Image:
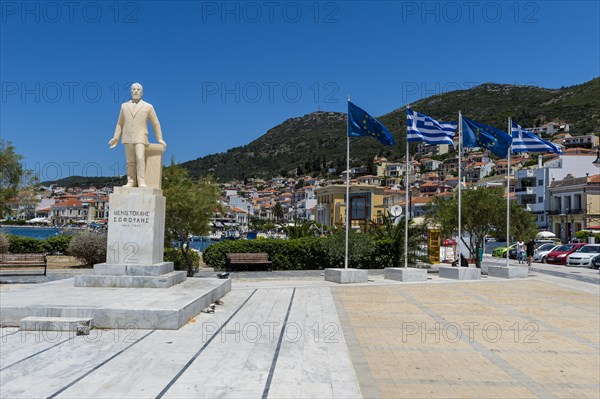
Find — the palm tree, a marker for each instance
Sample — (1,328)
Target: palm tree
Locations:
(394,232)
(278,211)
(304,228)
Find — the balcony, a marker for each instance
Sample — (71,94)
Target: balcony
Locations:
(524,191)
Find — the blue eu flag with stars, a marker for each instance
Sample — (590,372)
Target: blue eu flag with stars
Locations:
(477,134)
(362,124)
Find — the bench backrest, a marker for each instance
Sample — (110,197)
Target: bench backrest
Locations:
(248,257)
(22,258)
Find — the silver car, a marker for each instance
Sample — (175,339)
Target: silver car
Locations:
(584,255)
(540,254)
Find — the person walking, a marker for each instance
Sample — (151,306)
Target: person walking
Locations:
(520,250)
(530,250)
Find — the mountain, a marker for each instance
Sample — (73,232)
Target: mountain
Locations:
(317,141)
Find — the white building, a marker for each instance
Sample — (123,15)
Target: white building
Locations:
(532,185)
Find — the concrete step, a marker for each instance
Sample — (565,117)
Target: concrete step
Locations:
(79,325)
(163,281)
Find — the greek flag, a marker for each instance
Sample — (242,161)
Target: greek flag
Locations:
(525,141)
(421,127)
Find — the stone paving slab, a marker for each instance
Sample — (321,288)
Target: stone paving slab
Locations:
(492,338)
(241,350)
(486,340)
(109,307)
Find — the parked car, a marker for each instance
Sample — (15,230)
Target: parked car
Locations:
(541,241)
(540,254)
(596,262)
(584,255)
(500,252)
(559,255)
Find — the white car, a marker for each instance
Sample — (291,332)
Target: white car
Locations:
(584,255)
(543,251)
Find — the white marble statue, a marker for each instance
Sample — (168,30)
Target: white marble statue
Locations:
(133,127)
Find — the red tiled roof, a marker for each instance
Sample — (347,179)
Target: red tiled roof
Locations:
(68,202)
(594,179)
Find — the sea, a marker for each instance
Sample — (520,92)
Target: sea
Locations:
(35,232)
(201,243)
(197,243)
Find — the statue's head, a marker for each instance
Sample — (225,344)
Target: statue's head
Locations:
(136,91)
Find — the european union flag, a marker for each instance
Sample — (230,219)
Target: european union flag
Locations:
(362,124)
(477,134)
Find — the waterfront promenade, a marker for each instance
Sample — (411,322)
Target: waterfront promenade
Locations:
(493,338)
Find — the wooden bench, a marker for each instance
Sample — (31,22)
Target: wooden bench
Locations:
(23,264)
(248,259)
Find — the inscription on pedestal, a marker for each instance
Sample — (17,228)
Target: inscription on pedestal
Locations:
(136,226)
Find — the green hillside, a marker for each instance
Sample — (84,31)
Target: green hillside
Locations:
(315,142)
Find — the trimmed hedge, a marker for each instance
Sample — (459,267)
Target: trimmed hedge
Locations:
(308,253)
(174,255)
(51,245)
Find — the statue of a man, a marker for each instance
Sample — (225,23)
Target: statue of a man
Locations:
(133,125)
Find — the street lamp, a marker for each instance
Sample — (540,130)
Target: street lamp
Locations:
(597,161)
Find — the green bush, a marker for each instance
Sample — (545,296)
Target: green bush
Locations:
(88,246)
(27,245)
(174,255)
(59,244)
(307,253)
(51,245)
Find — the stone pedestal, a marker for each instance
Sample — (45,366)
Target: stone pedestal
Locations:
(346,276)
(405,274)
(460,273)
(135,245)
(508,272)
(136,226)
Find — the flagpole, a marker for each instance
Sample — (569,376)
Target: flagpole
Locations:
(407,184)
(508,195)
(347,186)
(458,251)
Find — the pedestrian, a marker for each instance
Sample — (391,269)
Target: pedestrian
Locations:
(520,250)
(530,250)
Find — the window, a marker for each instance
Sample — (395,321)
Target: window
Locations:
(540,182)
(360,206)
(540,200)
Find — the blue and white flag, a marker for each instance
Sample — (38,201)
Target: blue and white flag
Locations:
(421,127)
(525,141)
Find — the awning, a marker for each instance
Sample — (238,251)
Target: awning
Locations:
(38,220)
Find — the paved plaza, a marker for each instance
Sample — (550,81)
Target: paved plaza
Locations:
(291,334)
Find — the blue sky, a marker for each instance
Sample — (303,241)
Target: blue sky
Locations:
(220,74)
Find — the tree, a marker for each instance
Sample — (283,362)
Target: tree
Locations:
(278,211)
(417,237)
(11,175)
(190,205)
(300,229)
(483,213)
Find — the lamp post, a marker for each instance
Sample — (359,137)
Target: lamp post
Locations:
(320,209)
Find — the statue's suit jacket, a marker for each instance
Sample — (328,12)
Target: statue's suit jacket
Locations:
(133,122)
